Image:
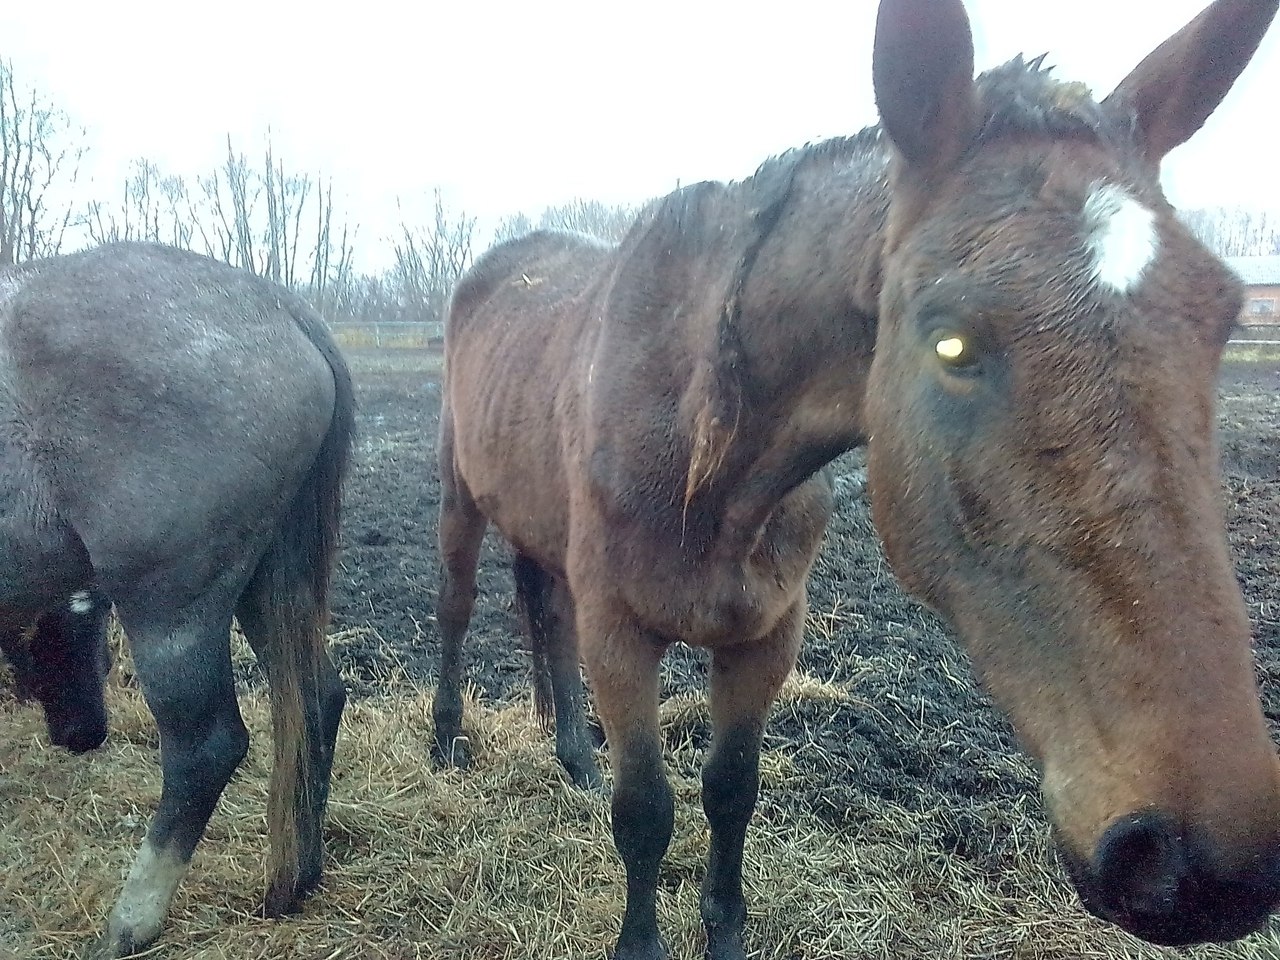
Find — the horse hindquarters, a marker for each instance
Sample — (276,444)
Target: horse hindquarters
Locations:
(182,655)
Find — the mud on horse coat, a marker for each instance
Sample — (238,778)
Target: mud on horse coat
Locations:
(989,290)
(173,439)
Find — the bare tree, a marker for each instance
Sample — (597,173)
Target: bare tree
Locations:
(591,217)
(286,196)
(333,283)
(40,153)
(578,215)
(261,221)
(428,262)
(224,212)
(513,227)
(1236,231)
(154,207)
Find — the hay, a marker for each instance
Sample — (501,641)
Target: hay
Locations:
(507,860)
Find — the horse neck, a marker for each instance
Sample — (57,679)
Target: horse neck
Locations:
(794,355)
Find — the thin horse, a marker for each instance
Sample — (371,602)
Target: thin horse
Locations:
(991,291)
(175,438)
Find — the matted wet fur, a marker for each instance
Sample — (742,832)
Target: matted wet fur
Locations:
(175,438)
(990,291)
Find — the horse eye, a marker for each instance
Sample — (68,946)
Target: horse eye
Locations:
(955,350)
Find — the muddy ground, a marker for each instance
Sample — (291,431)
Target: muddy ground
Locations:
(920,735)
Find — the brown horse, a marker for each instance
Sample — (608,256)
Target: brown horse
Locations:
(991,292)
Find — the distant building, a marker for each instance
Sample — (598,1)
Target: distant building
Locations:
(1261,276)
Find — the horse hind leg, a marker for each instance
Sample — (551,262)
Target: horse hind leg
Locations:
(546,610)
(183,663)
(461,531)
(744,682)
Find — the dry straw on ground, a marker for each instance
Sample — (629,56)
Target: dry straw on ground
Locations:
(506,860)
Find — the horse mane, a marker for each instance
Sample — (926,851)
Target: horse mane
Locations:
(1022,97)
(764,196)
(1018,98)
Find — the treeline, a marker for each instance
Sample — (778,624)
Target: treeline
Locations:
(261,214)
(256,212)
(1235,231)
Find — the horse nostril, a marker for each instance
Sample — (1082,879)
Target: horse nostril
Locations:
(1170,885)
(1142,865)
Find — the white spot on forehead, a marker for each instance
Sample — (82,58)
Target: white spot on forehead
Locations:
(1121,236)
(81,602)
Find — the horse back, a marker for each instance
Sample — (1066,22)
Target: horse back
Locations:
(519,343)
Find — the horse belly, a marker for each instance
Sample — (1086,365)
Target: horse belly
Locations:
(507,452)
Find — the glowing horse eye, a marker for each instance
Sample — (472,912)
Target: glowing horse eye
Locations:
(953,349)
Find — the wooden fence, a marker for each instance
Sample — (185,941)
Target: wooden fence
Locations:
(1259,333)
(388,336)
(430,336)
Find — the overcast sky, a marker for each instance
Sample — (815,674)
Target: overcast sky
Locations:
(513,107)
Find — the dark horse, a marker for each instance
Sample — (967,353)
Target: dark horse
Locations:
(61,661)
(175,435)
(989,290)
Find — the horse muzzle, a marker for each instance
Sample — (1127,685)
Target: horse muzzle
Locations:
(79,734)
(1163,883)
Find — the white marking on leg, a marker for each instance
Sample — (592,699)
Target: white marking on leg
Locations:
(144,902)
(81,602)
(1121,236)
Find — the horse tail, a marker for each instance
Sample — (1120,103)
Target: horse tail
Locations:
(531,606)
(291,592)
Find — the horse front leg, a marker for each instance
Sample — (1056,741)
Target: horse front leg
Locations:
(622,662)
(745,680)
(186,677)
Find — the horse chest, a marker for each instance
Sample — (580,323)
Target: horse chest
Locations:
(726,603)
(736,590)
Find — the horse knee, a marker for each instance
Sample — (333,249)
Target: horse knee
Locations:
(457,600)
(221,751)
(199,751)
(731,782)
(643,810)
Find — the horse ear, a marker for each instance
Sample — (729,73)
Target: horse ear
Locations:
(1171,93)
(923,75)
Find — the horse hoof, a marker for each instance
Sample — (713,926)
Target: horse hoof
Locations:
(648,950)
(114,945)
(285,897)
(452,752)
(726,945)
(584,775)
